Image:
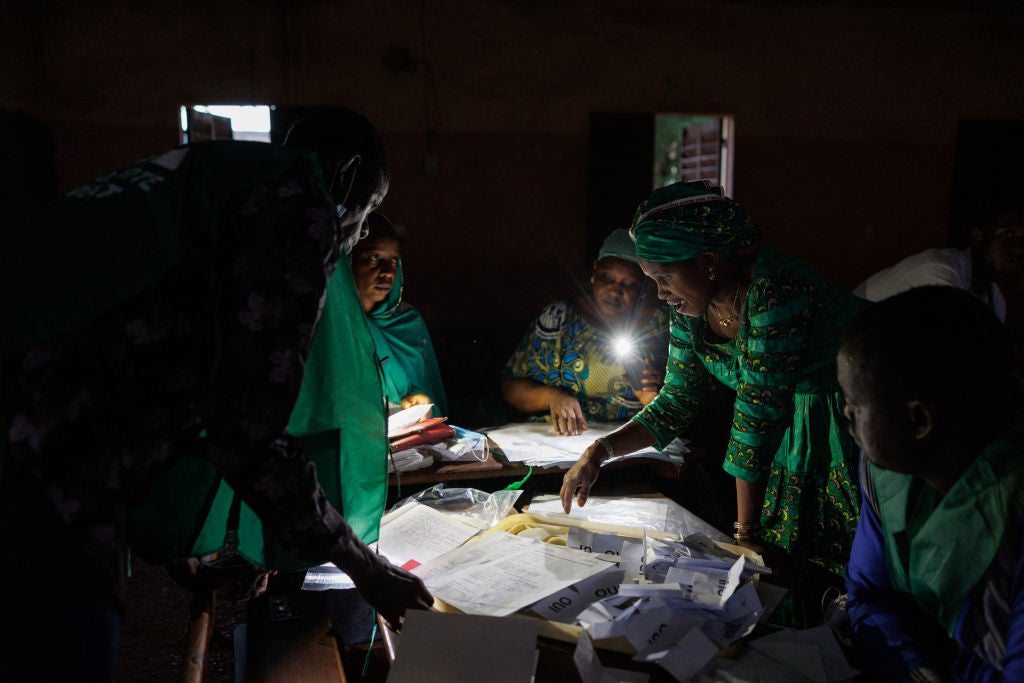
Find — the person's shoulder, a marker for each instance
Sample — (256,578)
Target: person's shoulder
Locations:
(777,273)
(950,267)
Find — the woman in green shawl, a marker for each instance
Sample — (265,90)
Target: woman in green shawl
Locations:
(411,374)
(767,326)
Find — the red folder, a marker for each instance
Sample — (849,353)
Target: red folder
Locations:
(415,428)
(430,435)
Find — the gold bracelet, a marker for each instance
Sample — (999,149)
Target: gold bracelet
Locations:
(746,526)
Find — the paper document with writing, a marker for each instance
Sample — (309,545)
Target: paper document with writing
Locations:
(414,534)
(661,514)
(409,536)
(535,443)
(501,573)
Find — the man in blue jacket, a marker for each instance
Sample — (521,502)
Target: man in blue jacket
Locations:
(934,578)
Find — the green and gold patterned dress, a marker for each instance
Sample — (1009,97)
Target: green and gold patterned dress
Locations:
(788,427)
(565,348)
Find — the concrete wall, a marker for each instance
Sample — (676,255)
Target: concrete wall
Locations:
(845,113)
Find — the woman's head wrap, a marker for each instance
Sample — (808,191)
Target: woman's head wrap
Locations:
(619,245)
(678,222)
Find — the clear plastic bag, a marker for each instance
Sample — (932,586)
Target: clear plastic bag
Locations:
(465,446)
(479,508)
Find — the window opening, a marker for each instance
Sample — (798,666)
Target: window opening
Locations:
(693,147)
(225,122)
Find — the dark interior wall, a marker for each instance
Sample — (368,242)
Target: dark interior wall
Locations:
(845,112)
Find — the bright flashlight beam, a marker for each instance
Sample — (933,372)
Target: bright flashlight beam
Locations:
(623,346)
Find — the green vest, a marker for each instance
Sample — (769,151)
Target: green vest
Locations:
(938,548)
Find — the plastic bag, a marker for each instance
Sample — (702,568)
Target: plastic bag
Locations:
(464,446)
(476,507)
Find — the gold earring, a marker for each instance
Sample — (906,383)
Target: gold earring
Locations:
(711,273)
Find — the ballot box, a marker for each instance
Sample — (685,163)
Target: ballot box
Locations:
(606,587)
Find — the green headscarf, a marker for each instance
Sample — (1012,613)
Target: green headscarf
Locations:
(618,244)
(401,336)
(678,222)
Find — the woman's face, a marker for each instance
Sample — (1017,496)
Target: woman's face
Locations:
(374,265)
(684,285)
(617,285)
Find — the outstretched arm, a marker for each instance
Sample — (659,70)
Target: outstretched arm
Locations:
(576,483)
(528,396)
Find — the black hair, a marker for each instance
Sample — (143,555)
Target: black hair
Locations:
(936,344)
(336,135)
(378,225)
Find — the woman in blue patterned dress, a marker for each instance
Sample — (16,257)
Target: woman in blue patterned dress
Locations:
(566,367)
(767,326)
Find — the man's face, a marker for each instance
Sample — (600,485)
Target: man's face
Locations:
(884,433)
(1004,244)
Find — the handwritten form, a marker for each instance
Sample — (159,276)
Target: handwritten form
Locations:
(535,443)
(501,573)
(409,536)
(415,533)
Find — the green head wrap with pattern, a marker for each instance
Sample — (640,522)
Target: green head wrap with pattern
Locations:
(618,244)
(678,222)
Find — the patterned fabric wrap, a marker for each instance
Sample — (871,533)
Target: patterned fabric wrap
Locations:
(564,348)
(401,336)
(788,427)
(678,222)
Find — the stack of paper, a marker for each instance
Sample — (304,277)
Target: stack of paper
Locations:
(535,444)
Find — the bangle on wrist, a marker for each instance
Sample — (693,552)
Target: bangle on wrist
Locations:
(746,526)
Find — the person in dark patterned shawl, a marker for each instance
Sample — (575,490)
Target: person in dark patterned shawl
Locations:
(176,296)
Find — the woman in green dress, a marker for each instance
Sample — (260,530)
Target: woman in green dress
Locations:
(767,326)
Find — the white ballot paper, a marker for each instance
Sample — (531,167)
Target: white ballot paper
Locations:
(687,657)
(591,670)
(501,573)
(535,443)
(813,652)
(409,416)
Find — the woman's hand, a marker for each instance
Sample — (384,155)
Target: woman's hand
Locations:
(566,413)
(581,476)
(652,379)
(415,400)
